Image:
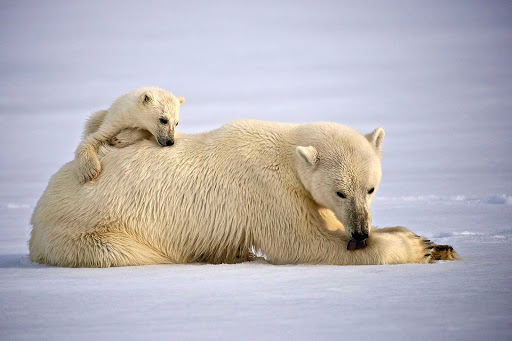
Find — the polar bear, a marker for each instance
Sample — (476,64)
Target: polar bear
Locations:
(295,193)
(147,110)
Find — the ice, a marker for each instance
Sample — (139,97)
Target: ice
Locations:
(436,75)
(502,199)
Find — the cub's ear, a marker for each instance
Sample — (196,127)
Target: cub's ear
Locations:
(308,154)
(376,138)
(146,97)
(182,100)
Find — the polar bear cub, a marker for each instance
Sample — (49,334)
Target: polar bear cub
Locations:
(147,109)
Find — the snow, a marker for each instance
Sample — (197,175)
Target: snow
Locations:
(436,75)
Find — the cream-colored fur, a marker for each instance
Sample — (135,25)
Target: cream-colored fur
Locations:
(94,122)
(216,196)
(150,110)
(125,138)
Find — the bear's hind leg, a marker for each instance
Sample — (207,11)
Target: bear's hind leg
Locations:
(94,122)
(98,250)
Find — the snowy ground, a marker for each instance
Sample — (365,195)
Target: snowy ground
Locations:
(435,75)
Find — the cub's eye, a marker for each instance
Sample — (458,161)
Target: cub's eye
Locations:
(177,123)
(371,190)
(164,121)
(341,195)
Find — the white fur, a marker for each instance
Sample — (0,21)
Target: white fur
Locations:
(216,196)
(141,109)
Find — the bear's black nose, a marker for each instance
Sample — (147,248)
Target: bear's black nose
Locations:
(169,143)
(359,236)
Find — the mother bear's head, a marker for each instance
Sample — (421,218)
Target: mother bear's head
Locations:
(341,168)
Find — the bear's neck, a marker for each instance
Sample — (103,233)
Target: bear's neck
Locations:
(288,156)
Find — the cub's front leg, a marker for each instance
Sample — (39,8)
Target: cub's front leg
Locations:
(88,165)
(128,137)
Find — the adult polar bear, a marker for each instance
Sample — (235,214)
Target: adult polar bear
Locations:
(215,196)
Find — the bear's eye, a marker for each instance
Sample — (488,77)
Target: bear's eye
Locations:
(177,123)
(164,120)
(371,190)
(341,195)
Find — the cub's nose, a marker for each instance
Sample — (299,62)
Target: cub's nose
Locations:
(169,143)
(359,236)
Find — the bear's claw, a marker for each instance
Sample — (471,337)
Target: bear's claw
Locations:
(114,141)
(429,246)
(119,142)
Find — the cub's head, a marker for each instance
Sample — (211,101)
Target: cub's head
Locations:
(341,168)
(160,113)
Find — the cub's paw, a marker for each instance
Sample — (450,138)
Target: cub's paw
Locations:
(128,137)
(88,168)
(444,252)
(114,141)
(119,142)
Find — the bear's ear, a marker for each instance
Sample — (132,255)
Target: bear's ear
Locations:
(308,154)
(182,100)
(376,138)
(146,97)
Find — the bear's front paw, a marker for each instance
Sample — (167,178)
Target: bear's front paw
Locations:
(88,168)
(444,252)
(435,252)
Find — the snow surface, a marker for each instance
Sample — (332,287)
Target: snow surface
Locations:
(436,75)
